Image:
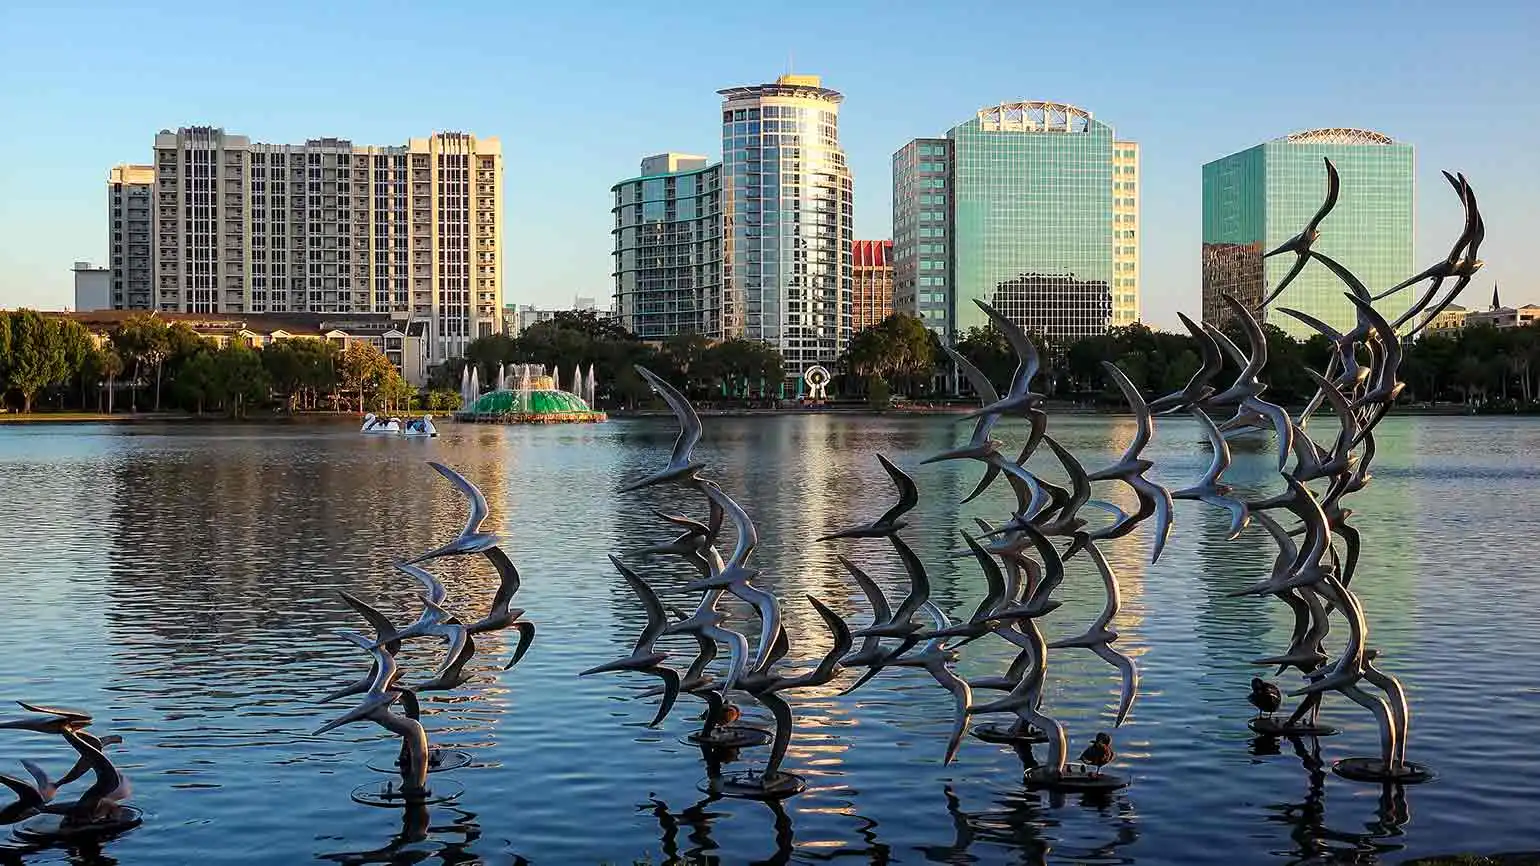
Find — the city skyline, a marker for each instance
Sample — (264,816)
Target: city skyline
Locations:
(1165,91)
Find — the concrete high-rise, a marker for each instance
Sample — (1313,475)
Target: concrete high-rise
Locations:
(668,247)
(787,221)
(871,298)
(1258,198)
(332,227)
(130,237)
(1031,206)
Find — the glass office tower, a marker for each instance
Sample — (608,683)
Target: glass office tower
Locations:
(787,221)
(1261,197)
(1031,206)
(668,246)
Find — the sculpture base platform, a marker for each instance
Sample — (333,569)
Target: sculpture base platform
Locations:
(439,760)
(753,785)
(1274,728)
(1373,770)
(1008,734)
(730,737)
(52,828)
(1076,777)
(388,794)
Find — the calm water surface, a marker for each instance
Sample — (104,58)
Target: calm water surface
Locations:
(181,583)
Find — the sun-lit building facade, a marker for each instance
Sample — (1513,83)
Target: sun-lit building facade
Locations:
(871,298)
(130,236)
(668,246)
(332,227)
(1259,198)
(787,211)
(1031,206)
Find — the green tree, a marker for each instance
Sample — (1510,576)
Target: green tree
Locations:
(143,342)
(361,369)
(37,355)
(198,382)
(109,365)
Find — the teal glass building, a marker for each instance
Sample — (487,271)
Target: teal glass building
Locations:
(668,246)
(1261,197)
(1031,206)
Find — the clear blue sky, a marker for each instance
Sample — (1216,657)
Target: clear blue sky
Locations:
(579,91)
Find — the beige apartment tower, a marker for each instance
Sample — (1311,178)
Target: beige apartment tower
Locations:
(130,237)
(332,227)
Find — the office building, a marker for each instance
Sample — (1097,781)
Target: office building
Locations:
(1258,198)
(93,287)
(130,236)
(1447,322)
(787,222)
(871,297)
(330,227)
(668,246)
(1030,206)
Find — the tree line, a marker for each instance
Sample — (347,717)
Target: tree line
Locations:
(146,363)
(1481,366)
(734,369)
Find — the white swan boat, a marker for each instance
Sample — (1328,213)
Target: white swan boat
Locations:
(377,426)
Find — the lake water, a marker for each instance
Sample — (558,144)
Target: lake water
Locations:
(181,583)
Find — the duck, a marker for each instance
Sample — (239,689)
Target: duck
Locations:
(1100,753)
(1264,696)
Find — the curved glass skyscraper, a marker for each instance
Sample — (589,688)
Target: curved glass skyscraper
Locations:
(1258,198)
(1031,206)
(787,221)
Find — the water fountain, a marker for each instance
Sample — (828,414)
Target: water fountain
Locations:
(538,399)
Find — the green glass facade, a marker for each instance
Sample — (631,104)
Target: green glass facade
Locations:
(668,246)
(1261,197)
(1021,206)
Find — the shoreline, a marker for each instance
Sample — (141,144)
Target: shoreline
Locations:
(851,411)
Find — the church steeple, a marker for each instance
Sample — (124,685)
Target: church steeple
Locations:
(1496,304)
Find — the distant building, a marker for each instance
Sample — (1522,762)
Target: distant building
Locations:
(405,345)
(1448,322)
(326,227)
(1257,199)
(787,206)
(871,297)
(1031,206)
(519,317)
(668,245)
(1499,316)
(130,239)
(93,287)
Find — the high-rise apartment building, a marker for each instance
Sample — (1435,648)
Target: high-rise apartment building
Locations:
(332,227)
(1030,206)
(668,246)
(787,221)
(871,298)
(1259,198)
(130,236)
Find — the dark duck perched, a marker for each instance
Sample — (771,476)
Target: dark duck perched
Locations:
(1100,753)
(1264,696)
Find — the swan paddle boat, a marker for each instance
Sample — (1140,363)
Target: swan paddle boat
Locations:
(375,426)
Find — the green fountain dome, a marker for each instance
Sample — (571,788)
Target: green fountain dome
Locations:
(543,401)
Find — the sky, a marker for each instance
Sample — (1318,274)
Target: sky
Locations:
(579,91)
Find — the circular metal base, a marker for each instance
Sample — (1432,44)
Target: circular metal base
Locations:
(1373,770)
(1008,733)
(730,737)
(1274,728)
(51,828)
(439,760)
(751,785)
(1076,777)
(388,794)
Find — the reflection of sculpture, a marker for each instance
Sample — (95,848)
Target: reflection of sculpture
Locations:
(381,687)
(1311,577)
(96,813)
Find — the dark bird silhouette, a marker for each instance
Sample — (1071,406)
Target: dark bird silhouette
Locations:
(1264,696)
(1100,753)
